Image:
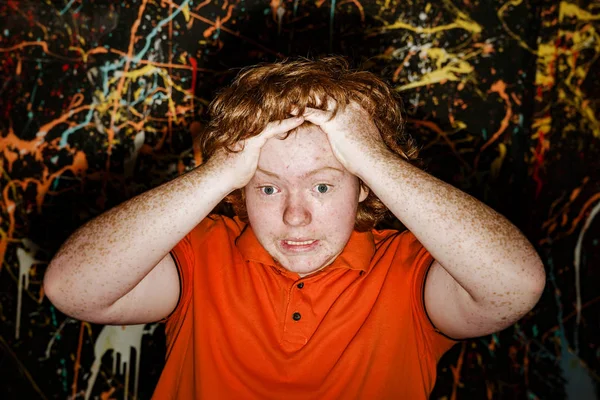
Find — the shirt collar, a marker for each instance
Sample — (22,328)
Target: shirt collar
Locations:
(356,255)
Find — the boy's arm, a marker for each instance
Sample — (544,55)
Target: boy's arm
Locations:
(486,274)
(116,269)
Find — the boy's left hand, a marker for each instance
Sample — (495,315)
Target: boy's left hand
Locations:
(352,134)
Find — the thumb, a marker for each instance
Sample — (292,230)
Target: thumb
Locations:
(316,116)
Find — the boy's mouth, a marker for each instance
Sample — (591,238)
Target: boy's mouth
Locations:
(299,245)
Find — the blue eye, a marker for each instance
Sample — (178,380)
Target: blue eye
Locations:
(322,188)
(268,190)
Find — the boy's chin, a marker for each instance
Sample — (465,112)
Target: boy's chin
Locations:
(300,268)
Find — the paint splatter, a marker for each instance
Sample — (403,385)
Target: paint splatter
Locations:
(99,101)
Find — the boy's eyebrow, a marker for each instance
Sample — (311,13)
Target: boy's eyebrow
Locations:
(310,173)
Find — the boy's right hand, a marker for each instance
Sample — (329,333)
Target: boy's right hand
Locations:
(238,168)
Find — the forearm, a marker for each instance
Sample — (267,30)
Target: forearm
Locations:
(107,257)
(478,247)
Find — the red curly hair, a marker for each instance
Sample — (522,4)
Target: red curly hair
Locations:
(269,92)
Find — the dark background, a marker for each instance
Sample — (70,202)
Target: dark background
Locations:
(98,101)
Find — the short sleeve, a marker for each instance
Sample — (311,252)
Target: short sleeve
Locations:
(183,255)
(437,342)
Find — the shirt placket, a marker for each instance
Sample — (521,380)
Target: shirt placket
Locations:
(297,319)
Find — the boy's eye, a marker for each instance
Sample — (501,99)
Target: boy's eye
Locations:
(268,190)
(322,188)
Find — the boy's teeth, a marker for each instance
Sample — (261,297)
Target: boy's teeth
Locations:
(291,242)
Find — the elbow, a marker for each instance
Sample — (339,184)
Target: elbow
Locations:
(61,292)
(538,279)
(52,288)
(67,295)
(534,284)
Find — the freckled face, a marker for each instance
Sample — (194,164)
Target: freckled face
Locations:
(302,202)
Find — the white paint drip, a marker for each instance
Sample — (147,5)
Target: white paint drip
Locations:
(280,14)
(26,258)
(120,340)
(577,260)
(129,163)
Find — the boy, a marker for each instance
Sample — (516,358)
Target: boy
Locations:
(299,296)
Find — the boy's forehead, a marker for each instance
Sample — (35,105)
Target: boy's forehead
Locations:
(302,152)
(307,138)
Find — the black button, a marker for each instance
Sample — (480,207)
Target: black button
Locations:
(296,316)
(300,285)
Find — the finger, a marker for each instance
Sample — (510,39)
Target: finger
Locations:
(316,116)
(330,104)
(275,128)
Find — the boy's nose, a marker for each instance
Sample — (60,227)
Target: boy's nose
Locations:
(296,213)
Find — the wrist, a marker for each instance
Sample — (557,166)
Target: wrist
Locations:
(223,177)
(375,162)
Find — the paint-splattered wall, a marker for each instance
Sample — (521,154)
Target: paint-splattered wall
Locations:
(98,100)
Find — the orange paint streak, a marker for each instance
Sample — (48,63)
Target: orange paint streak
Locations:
(199,6)
(22,146)
(76,101)
(489,390)
(195,129)
(137,126)
(40,43)
(10,208)
(111,131)
(526,365)
(163,65)
(274,4)
(433,126)
(358,5)
(500,88)
(170,62)
(401,66)
(77,361)
(62,119)
(486,48)
(108,394)
(588,204)
(3,246)
(78,168)
(552,223)
(538,155)
(11,156)
(456,371)
(231,32)
(86,54)
(515,99)
(218,23)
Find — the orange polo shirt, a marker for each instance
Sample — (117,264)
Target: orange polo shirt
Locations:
(245,328)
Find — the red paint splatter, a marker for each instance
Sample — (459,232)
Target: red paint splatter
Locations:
(194,64)
(538,161)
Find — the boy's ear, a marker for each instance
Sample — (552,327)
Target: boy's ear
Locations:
(364,192)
